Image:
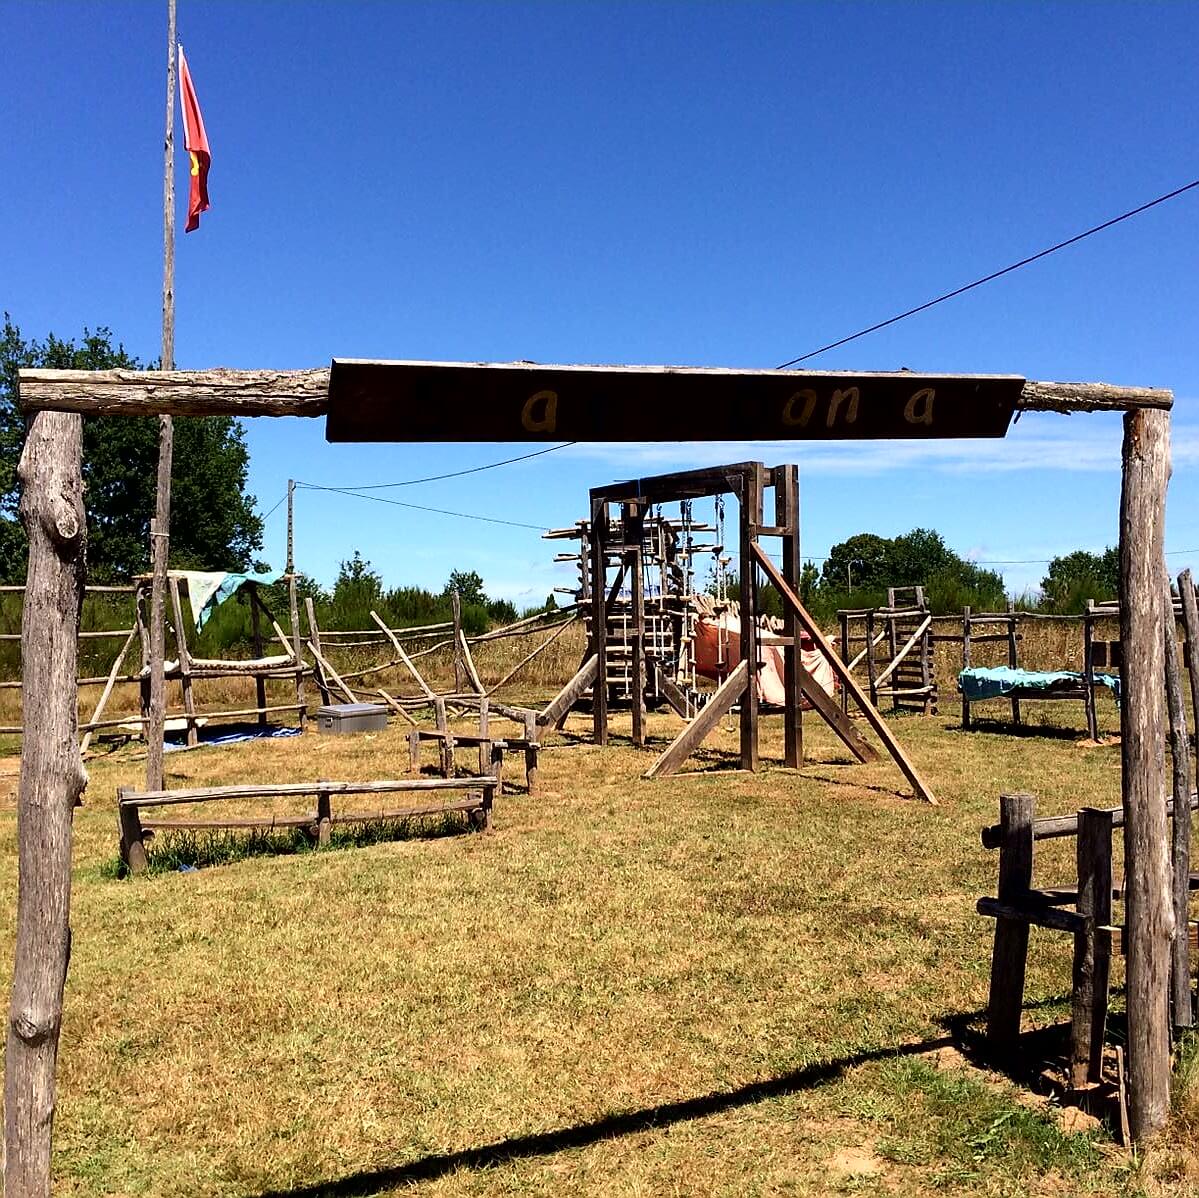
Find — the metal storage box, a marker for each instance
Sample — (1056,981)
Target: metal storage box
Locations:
(351,717)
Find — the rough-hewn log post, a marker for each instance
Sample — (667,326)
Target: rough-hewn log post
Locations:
(52,778)
(1150,911)
(1180,847)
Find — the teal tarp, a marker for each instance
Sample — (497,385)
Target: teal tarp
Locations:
(978,683)
(208,588)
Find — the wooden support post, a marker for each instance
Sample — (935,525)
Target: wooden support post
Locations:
(154,729)
(459,671)
(1010,953)
(52,779)
(870,667)
(497,765)
(926,662)
(1149,901)
(786,516)
(1088,668)
(1092,951)
(133,849)
(532,749)
(324,819)
(845,657)
(633,524)
(314,636)
(750,515)
(259,649)
(446,742)
(1180,758)
(965,663)
(1013,654)
(1190,620)
(484,735)
(599,621)
(185,664)
(414,751)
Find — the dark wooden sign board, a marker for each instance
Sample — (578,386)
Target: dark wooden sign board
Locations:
(520,401)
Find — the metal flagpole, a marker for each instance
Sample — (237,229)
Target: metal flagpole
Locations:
(161,525)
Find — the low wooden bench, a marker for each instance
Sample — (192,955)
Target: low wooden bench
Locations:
(491,749)
(476,805)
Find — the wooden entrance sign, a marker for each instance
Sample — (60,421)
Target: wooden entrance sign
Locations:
(523,401)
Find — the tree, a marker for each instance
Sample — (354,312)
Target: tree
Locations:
(859,562)
(469,586)
(214,525)
(1075,577)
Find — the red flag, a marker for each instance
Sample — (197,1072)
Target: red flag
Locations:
(196,141)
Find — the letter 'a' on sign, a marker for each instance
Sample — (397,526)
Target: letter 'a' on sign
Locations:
(525,401)
(540,413)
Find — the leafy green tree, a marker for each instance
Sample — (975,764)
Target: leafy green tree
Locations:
(860,562)
(469,585)
(1073,578)
(214,525)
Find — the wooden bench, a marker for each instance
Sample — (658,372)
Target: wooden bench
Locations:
(476,805)
(491,749)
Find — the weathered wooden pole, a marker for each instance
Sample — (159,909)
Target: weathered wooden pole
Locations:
(1180,750)
(1149,901)
(52,778)
(293,603)
(160,526)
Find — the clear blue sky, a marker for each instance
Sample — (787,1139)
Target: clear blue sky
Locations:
(701,184)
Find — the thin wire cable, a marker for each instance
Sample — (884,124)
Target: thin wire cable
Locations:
(275,509)
(1061,245)
(432,478)
(420,507)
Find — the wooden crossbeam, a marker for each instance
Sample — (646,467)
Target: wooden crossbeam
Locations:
(687,741)
(873,718)
(569,695)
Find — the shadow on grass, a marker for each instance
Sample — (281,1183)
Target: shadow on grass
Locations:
(997,726)
(430,1168)
(184,851)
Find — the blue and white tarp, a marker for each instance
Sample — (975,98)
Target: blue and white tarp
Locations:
(208,588)
(993,682)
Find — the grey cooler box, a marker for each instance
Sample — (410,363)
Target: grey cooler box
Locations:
(341,718)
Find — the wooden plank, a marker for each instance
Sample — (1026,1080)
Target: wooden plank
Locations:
(107,691)
(694,734)
(51,781)
(314,635)
(1009,956)
(599,620)
(569,695)
(331,673)
(1146,468)
(1092,953)
(283,790)
(529,657)
(828,709)
(873,718)
(1048,916)
(908,646)
(403,656)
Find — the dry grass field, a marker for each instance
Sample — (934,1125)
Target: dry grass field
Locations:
(713,984)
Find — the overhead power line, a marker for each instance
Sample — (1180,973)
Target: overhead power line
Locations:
(1007,270)
(433,478)
(420,507)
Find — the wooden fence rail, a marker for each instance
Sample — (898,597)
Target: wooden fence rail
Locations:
(133,829)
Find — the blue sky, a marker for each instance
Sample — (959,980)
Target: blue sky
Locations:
(686,183)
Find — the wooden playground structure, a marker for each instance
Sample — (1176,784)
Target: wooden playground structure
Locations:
(407,401)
